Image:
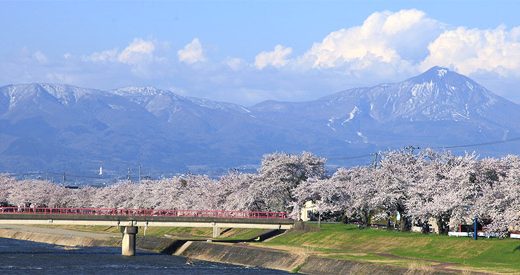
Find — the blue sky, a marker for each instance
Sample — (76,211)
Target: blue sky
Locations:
(246,52)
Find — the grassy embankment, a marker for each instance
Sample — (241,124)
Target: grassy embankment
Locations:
(347,242)
(173,232)
(340,241)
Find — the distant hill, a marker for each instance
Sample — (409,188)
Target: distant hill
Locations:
(53,127)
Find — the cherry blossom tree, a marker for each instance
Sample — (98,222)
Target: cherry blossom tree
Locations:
(415,186)
(500,199)
(399,170)
(359,192)
(236,191)
(429,197)
(6,185)
(280,174)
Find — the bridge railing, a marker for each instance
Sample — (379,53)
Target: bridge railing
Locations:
(145,212)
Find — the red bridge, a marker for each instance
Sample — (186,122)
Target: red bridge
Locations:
(145,212)
(130,219)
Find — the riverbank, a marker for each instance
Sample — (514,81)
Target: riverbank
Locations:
(58,236)
(230,253)
(26,257)
(282,253)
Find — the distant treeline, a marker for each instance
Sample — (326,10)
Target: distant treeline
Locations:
(415,186)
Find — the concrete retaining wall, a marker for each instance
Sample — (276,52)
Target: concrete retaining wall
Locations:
(55,238)
(243,255)
(275,259)
(317,265)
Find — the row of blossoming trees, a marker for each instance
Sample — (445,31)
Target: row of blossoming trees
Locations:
(423,186)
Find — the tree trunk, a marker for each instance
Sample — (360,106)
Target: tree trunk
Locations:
(406,223)
(440,226)
(366,218)
(388,221)
(425,228)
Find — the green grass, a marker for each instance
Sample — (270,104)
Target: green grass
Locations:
(176,232)
(297,269)
(172,232)
(83,228)
(241,234)
(348,242)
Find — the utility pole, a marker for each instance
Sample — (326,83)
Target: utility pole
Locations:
(139,173)
(319,216)
(376,159)
(475,228)
(64,178)
(128,175)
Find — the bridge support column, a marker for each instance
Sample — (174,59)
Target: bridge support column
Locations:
(128,243)
(216,231)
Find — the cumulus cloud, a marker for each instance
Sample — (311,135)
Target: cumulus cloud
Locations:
(385,47)
(275,58)
(472,50)
(141,57)
(192,52)
(139,51)
(387,37)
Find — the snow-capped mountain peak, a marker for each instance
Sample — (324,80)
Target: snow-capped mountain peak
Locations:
(437,94)
(436,72)
(51,126)
(143,91)
(445,80)
(441,72)
(59,93)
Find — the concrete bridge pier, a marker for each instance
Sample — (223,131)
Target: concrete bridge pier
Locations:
(216,231)
(128,243)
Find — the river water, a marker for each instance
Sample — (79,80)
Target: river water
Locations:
(23,257)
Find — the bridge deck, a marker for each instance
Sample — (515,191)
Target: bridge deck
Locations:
(145,217)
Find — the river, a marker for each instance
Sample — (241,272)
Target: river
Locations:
(23,257)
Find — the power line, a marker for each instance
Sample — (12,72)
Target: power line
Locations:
(411,148)
(353,157)
(363,156)
(478,144)
(53,174)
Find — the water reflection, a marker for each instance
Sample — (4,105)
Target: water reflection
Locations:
(22,257)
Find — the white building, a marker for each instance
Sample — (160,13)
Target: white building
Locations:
(306,211)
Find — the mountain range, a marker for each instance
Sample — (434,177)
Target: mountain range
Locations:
(55,127)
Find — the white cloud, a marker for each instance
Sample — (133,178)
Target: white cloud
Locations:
(103,56)
(385,47)
(143,58)
(276,58)
(472,50)
(40,57)
(235,63)
(387,37)
(138,52)
(192,52)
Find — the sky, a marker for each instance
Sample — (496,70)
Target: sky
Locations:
(250,51)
